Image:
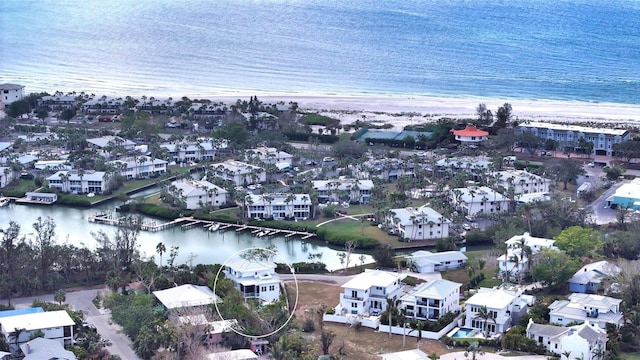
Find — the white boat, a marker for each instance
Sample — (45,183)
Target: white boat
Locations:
(262,233)
(214,227)
(4,201)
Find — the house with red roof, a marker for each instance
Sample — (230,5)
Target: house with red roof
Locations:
(470,135)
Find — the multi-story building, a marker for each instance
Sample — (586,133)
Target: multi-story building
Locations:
(155,106)
(343,190)
(585,341)
(191,151)
(269,155)
(598,309)
(569,135)
(80,182)
(278,206)
(58,102)
(503,306)
(478,200)
(200,111)
(10,93)
(140,167)
(104,105)
(421,223)
(389,169)
(55,325)
(427,262)
(239,173)
(476,167)
(254,279)
(104,144)
(196,194)
(470,135)
(431,300)
(367,292)
(522,182)
(515,260)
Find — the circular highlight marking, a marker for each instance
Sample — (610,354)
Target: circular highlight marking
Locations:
(295,279)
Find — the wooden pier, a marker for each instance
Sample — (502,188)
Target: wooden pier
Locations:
(189,222)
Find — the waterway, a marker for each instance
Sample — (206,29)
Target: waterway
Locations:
(196,245)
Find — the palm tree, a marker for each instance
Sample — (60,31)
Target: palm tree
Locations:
(566,354)
(485,314)
(161,249)
(473,349)
(15,334)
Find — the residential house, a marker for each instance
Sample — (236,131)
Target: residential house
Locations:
(261,120)
(343,190)
(80,182)
(432,300)
(45,349)
(627,196)
(515,261)
(55,325)
(470,135)
(589,278)
(154,106)
(598,309)
(239,173)
(213,329)
(139,167)
(5,147)
(254,279)
(567,135)
(585,341)
(58,102)
(6,176)
(269,155)
(191,151)
(104,105)
(427,262)
(186,296)
(520,182)
(367,292)
(478,200)
(201,111)
(10,93)
(505,307)
(278,206)
(476,167)
(388,169)
(105,143)
(421,223)
(196,194)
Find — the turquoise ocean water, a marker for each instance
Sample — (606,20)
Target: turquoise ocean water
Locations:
(529,49)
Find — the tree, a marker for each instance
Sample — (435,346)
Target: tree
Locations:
(17,108)
(578,241)
(485,314)
(326,339)
(503,116)
(553,267)
(485,116)
(44,237)
(15,335)
(614,172)
(384,255)
(565,170)
(161,249)
(67,114)
(347,149)
(60,296)
(529,142)
(473,349)
(42,114)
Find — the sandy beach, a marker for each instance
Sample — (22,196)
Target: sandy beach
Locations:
(404,110)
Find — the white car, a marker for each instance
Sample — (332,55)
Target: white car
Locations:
(327,159)
(467,227)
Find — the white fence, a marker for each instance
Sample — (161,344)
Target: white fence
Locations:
(367,322)
(425,334)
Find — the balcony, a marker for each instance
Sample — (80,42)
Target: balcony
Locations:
(349,297)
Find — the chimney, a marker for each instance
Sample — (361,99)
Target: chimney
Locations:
(27,347)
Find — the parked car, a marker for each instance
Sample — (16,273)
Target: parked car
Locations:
(466,227)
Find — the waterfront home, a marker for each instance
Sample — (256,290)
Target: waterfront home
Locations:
(568,135)
(476,167)
(39,197)
(423,261)
(431,300)
(269,155)
(196,194)
(388,169)
(6,176)
(58,102)
(104,105)
(478,200)
(80,182)
(585,341)
(505,307)
(186,296)
(589,278)
(515,261)
(626,196)
(41,349)
(470,135)
(254,279)
(192,151)
(55,325)
(154,106)
(521,182)
(105,143)
(598,309)
(201,111)
(139,167)
(343,189)
(240,173)
(10,93)
(414,224)
(261,121)
(367,293)
(278,206)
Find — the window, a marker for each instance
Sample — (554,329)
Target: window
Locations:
(354,305)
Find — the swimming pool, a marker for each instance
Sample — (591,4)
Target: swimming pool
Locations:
(462,333)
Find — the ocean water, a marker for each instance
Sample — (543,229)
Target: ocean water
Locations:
(583,50)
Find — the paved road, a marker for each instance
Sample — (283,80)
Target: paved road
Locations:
(601,214)
(81,300)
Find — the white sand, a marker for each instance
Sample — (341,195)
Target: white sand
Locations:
(402,110)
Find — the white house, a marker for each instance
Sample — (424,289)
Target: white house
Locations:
(387,169)
(475,166)
(367,292)
(431,300)
(197,194)
(515,261)
(584,341)
(479,200)
(104,105)
(589,278)
(522,182)
(10,93)
(254,279)
(140,167)
(504,306)
(343,189)
(184,296)
(58,102)
(41,349)
(427,262)
(192,151)
(278,206)
(598,309)
(421,223)
(239,173)
(269,155)
(80,182)
(55,325)
(470,135)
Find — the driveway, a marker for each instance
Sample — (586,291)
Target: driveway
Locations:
(81,301)
(601,213)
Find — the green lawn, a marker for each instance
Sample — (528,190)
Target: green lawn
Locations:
(23,186)
(630,356)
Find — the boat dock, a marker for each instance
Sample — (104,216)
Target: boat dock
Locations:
(190,222)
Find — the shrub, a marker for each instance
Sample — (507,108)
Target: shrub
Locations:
(308,325)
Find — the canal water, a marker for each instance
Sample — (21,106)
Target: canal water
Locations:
(196,245)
